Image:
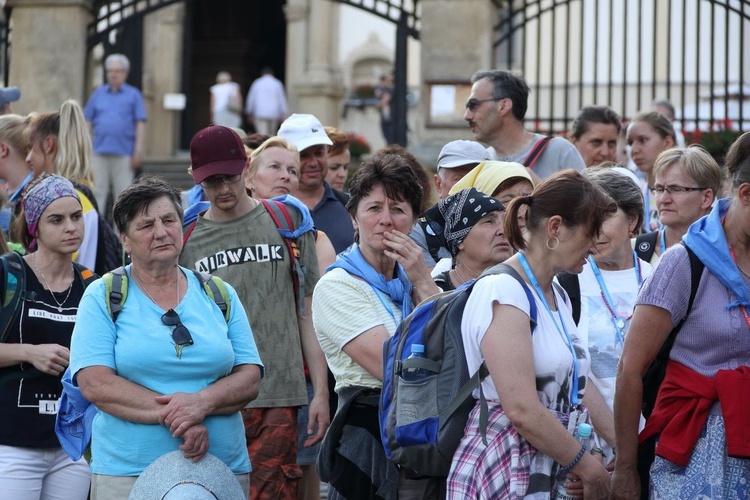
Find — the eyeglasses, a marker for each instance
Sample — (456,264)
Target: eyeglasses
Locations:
(180,335)
(472,103)
(215,180)
(659,190)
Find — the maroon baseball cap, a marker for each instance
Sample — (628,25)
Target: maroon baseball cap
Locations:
(216,150)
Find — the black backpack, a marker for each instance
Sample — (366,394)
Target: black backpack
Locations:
(645,244)
(655,376)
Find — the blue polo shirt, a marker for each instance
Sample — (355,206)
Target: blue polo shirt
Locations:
(114,115)
(331,217)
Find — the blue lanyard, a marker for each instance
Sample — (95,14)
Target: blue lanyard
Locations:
(565,336)
(662,242)
(618,322)
(21,186)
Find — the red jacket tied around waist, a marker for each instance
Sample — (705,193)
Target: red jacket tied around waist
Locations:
(683,405)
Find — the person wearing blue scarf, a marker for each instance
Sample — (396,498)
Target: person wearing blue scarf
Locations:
(357,305)
(700,415)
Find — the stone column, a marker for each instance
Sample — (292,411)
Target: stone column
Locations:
(456,38)
(162,70)
(313,78)
(48,59)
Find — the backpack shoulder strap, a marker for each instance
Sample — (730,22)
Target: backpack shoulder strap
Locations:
(696,271)
(188,232)
(13,276)
(572,285)
(536,152)
(475,382)
(645,244)
(283,220)
(116,291)
(434,241)
(86,275)
(506,269)
(217,290)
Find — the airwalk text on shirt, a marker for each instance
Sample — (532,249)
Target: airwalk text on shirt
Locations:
(240,255)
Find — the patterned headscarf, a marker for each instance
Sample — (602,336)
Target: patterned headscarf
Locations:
(461,211)
(44,192)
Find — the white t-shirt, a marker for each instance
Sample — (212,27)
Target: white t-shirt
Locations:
(222,93)
(343,308)
(553,363)
(596,321)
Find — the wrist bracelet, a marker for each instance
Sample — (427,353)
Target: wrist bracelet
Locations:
(565,469)
(597,450)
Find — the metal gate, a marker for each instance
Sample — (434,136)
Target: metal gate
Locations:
(405,14)
(625,54)
(118,26)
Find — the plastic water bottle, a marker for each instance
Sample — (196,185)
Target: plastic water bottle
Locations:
(583,436)
(415,374)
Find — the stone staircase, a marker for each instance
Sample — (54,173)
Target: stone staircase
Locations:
(173,169)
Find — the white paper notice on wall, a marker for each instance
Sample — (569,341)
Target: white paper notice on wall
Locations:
(174,102)
(442,102)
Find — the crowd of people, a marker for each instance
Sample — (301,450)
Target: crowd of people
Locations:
(240,325)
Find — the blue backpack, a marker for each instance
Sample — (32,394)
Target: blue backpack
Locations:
(422,422)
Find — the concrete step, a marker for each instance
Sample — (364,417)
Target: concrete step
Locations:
(172,169)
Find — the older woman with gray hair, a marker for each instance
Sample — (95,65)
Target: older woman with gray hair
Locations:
(603,297)
(171,370)
(474,235)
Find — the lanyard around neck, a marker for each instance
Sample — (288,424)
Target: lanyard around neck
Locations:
(562,331)
(618,322)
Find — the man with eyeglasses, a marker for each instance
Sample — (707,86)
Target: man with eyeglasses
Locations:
(237,240)
(327,205)
(117,117)
(495,112)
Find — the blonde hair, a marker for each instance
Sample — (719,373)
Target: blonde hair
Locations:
(74,153)
(12,133)
(272,142)
(695,162)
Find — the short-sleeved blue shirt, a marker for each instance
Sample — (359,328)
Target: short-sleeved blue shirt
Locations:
(114,116)
(140,348)
(331,217)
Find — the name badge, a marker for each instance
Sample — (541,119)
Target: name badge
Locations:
(47,407)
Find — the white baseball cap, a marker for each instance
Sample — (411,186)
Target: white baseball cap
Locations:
(304,131)
(460,153)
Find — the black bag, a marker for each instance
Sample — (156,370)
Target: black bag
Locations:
(655,376)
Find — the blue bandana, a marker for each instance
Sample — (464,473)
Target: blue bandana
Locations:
(707,239)
(398,289)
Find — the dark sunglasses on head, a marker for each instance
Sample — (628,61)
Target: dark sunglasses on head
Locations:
(180,335)
(472,103)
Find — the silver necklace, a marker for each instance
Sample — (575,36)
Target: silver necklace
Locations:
(143,287)
(459,276)
(40,273)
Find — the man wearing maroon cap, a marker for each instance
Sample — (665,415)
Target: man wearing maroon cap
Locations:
(237,240)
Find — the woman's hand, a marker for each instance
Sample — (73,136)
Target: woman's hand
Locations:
(196,442)
(182,411)
(51,359)
(406,252)
(626,484)
(594,477)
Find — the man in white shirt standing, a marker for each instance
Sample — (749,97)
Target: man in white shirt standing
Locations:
(266,104)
